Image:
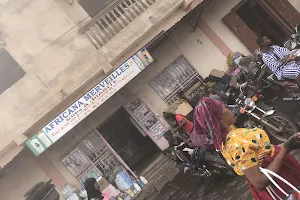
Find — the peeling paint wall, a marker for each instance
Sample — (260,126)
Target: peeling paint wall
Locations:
(42,36)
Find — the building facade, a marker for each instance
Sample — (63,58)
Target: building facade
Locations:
(53,52)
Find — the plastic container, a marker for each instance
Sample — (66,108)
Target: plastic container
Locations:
(142,185)
(130,192)
(125,196)
(137,187)
(144,180)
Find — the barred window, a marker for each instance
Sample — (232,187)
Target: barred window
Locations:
(174,78)
(89,158)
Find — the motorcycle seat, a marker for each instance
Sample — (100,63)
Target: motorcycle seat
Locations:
(281,80)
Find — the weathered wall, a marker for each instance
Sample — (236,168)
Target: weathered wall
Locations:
(296,4)
(213,14)
(57,60)
(139,28)
(21,174)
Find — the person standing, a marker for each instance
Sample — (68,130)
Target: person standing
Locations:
(93,189)
(245,150)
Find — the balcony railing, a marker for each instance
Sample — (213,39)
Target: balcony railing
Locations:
(115,18)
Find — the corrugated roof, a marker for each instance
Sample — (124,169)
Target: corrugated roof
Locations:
(164,34)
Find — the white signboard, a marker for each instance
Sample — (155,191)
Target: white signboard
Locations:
(95,97)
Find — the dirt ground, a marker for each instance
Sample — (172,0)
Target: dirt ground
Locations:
(185,187)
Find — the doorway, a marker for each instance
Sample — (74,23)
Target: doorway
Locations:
(137,151)
(252,18)
(259,19)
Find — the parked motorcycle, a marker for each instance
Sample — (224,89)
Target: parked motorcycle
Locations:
(207,164)
(243,102)
(270,88)
(294,41)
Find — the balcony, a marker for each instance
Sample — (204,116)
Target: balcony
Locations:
(114,19)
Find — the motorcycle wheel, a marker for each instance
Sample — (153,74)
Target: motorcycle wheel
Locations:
(286,124)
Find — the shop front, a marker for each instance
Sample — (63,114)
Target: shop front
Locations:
(109,127)
(120,121)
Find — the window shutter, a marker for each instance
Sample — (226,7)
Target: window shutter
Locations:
(285,9)
(241,29)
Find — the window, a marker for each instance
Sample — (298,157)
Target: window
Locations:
(174,78)
(90,158)
(10,71)
(94,7)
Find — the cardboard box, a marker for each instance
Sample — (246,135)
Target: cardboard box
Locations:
(184,109)
(103,183)
(217,73)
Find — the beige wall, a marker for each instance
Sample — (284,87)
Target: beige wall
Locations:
(197,49)
(42,36)
(213,15)
(21,174)
(45,42)
(296,4)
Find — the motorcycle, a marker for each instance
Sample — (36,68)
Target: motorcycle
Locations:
(294,41)
(271,88)
(207,164)
(243,101)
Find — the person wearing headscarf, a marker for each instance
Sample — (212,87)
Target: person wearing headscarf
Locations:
(245,150)
(93,190)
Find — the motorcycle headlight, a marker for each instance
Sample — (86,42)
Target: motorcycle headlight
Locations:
(249,103)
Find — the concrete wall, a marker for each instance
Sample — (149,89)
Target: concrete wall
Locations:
(296,4)
(42,37)
(213,14)
(139,28)
(20,175)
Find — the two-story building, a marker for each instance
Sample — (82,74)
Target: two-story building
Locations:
(85,82)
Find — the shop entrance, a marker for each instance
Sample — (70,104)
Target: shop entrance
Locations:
(137,150)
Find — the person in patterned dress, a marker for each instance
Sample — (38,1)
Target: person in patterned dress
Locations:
(245,150)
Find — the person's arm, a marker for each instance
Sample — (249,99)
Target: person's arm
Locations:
(285,51)
(272,63)
(257,178)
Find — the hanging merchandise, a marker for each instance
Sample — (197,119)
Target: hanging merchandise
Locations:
(123,181)
(137,187)
(105,196)
(144,180)
(125,196)
(141,184)
(130,192)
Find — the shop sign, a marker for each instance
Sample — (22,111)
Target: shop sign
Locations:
(89,102)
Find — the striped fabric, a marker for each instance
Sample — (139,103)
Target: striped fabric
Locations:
(289,71)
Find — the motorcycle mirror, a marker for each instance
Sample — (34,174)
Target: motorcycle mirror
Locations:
(294,45)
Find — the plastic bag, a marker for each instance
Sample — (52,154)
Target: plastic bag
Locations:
(68,191)
(123,181)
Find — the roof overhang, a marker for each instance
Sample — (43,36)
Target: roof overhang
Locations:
(191,7)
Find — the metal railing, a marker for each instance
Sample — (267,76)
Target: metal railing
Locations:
(112,20)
